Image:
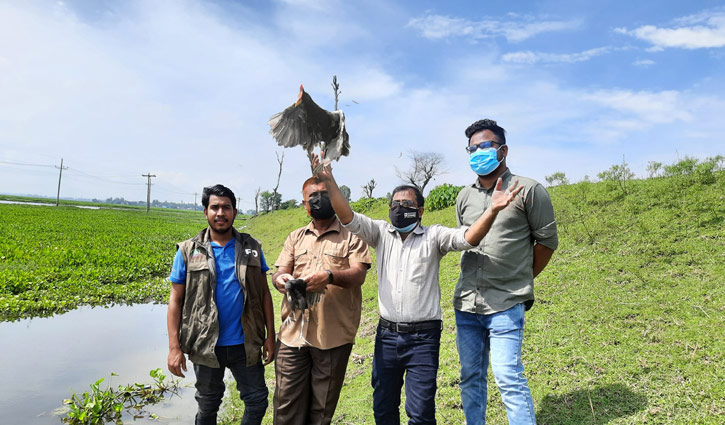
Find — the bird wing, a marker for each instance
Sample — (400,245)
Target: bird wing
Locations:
(306,124)
(339,145)
(289,128)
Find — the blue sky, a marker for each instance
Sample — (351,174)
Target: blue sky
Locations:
(184,89)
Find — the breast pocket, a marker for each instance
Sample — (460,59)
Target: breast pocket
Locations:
(336,259)
(302,261)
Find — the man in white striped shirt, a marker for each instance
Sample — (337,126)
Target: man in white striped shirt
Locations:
(408,260)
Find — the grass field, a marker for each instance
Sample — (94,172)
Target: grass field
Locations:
(626,329)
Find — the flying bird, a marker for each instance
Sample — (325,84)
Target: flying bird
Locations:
(306,124)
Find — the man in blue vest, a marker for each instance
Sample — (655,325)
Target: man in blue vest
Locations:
(219,310)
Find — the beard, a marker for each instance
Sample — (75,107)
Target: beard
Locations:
(221,226)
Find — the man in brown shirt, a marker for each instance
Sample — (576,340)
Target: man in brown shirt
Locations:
(315,346)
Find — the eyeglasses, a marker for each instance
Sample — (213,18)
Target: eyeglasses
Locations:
(483,145)
(406,203)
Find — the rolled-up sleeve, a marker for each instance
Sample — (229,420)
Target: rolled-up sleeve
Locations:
(365,228)
(540,213)
(287,256)
(451,239)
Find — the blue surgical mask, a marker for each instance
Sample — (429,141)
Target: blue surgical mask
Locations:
(484,161)
(406,229)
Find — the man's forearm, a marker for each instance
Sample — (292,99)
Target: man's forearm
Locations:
(268,310)
(351,277)
(173,322)
(480,227)
(339,203)
(542,255)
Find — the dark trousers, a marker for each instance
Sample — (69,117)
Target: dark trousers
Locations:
(415,356)
(250,383)
(309,381)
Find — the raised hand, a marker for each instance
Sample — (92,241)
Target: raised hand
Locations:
(322,168)
(501,198)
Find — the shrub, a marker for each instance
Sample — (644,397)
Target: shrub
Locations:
(557,179)
(619,174)
(442,196)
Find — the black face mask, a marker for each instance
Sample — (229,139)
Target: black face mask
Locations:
(320,207)
(403,218)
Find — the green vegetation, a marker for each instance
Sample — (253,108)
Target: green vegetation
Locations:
(626,328)
(54,259)
(441,197)
(103,406)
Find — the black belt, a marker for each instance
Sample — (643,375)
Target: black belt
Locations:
(405,327)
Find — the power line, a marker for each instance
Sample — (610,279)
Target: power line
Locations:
(104,179)
(27,164)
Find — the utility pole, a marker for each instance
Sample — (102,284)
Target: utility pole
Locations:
(195,193)
(61,168)
(148,190)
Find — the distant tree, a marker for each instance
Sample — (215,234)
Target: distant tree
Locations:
(345,192)
(619,174)
(266,202)
(256,200)
(277,199)
(557,179)
(653,168)
(368,188)
(424,166)
(291,203)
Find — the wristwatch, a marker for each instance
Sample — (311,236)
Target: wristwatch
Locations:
(332,278)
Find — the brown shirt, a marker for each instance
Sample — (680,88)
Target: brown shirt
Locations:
(333,321)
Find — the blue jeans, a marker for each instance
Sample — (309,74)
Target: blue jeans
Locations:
(414,355)
(250,383)
(501,335)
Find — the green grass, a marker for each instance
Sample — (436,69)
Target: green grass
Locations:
(626,328)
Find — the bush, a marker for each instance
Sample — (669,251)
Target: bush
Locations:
(557,179)
(442,196)
(363,205)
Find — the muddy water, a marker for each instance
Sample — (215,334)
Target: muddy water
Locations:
(42,359)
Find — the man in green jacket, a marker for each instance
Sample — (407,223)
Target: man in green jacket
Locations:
(219,308)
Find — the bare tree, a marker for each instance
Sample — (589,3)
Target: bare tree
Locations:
(256,200)
(275,205)
(336,88)
(424,166)
(368,188)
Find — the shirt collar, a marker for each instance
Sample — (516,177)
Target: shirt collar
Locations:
(506,176)
(336,226)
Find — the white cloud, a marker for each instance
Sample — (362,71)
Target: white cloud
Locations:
(704,30)
(529,57)
(644,62)
(434,26)
(648,107)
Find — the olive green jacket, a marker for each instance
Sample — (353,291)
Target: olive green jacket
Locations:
(199,328)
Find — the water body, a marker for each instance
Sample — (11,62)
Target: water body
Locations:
(42,359)
(45,204)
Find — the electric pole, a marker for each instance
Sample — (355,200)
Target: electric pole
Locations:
(61,168)
(148,190)
(195,193)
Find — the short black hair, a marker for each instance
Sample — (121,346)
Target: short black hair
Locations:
(487,124)
(218,190)
(418,195)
